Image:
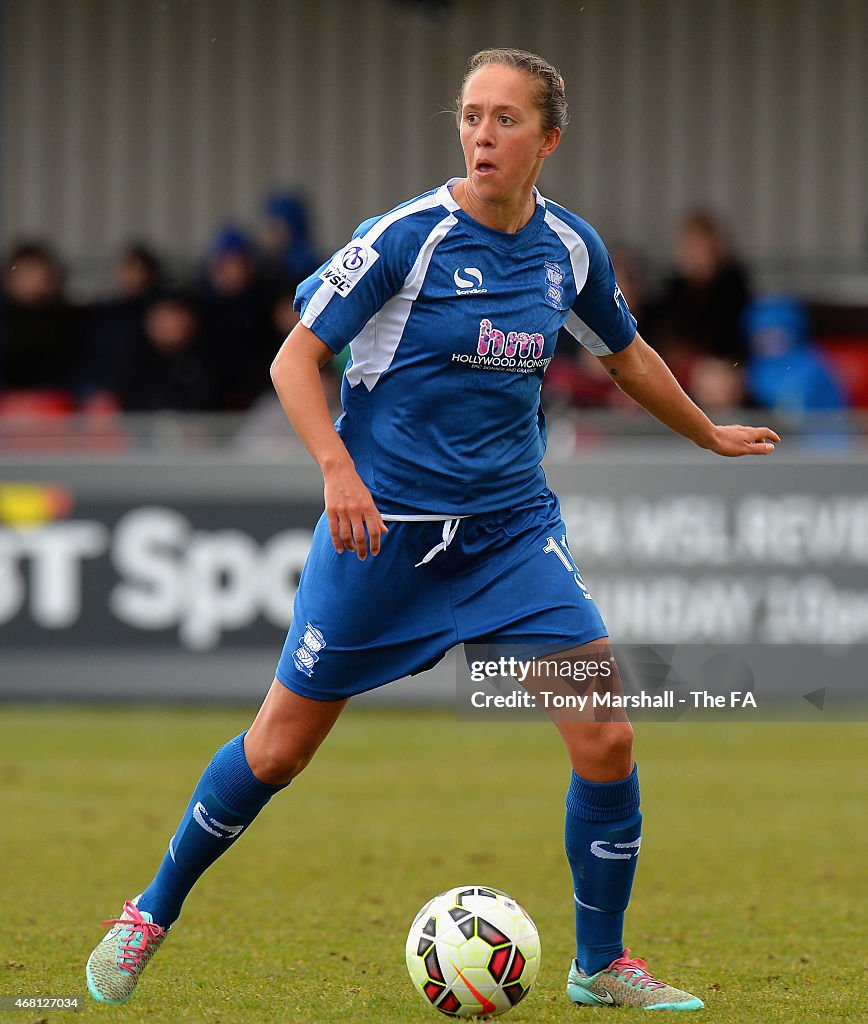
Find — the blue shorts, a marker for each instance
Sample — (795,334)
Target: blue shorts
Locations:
(505,578)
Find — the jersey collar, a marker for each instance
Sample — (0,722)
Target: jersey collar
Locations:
(503,240)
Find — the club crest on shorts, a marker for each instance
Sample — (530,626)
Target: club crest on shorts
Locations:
(306,655)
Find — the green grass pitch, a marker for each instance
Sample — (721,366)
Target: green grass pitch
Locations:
(751,889)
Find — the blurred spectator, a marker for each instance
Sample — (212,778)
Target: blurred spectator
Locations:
(40,344)
(170,367)
(288,255)
(138,274)
(112,329)
(236,319)
(632,276)
(698,313)
(717,383)
(786,371)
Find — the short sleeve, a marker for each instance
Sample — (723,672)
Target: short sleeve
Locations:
(337,300)
(600,318)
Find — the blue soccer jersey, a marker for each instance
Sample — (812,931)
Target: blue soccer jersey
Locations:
(451,325)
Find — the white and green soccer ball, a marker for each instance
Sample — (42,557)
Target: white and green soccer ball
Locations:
(473,952)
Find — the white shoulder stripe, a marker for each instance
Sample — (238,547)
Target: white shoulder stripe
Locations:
(580,262)
(325,293)
(317,303)
(575,246)
(585,336)
(374,348)
(428,202)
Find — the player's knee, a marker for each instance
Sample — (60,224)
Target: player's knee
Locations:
(277,764)
(619,747)
(611,743)
(617,739)
(600,751)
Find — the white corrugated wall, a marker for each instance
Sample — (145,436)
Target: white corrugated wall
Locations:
(160,118)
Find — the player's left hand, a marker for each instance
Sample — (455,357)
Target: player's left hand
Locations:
(734,439)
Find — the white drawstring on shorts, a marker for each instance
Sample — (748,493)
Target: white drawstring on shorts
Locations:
(450,528)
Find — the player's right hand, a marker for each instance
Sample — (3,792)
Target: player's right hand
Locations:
(734,440)
(354,520)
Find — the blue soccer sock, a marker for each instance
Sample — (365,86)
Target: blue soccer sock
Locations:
(227,798)
(602,837)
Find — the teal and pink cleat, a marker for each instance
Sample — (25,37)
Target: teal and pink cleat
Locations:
(626,982)
(114,967)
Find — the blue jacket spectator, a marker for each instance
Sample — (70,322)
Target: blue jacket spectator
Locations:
(285,237)
(235,305)
(785,370)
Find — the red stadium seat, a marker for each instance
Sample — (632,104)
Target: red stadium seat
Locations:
(35,404)
(848,358)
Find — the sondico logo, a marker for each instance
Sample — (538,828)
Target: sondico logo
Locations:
(469,281)
(598,849)
(212,825)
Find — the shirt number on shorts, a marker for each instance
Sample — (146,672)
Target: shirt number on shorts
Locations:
(563,552)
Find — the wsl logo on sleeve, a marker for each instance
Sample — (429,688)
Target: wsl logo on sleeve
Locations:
(349,266)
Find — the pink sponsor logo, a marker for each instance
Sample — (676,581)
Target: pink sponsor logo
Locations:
(495,343)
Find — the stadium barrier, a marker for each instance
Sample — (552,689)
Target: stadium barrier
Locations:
(150,576)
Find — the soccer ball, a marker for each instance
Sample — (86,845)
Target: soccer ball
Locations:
(473,952)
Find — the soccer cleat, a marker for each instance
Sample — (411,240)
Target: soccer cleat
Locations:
(626,982)
(113,968)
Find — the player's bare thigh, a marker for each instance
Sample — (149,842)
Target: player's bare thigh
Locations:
(287,732)
(600,747)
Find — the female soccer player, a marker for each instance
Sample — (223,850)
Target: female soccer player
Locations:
(451,305)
